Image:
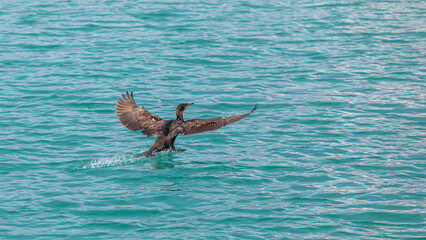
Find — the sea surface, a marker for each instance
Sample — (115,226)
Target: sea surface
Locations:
(336,149)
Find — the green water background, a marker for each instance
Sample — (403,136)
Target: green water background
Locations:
(336,149)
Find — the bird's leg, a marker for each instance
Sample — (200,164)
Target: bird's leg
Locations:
(152,152)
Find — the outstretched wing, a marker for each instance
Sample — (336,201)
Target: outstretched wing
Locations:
(195,126)
(137,118)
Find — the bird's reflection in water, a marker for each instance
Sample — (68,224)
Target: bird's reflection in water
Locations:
(163,161)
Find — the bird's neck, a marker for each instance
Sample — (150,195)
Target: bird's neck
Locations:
(179,115)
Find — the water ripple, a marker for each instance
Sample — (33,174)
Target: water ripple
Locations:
(334,151)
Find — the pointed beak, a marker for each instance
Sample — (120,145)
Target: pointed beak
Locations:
(188,105)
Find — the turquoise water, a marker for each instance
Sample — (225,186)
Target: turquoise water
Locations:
(336,149)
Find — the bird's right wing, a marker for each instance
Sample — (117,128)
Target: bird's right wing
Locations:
(195,126)
(137,118)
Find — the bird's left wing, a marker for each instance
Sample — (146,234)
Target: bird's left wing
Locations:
(137,118)
(195,126)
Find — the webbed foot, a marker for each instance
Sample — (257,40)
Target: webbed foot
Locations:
(178,150)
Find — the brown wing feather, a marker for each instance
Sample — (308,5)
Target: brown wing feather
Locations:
(135,118)
(195,126)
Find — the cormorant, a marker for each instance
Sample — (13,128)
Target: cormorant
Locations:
(138,118)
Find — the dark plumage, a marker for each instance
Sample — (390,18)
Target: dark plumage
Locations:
(138,118)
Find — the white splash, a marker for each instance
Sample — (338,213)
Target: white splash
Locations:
(108,162)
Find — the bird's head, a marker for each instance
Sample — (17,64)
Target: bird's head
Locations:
(180,108)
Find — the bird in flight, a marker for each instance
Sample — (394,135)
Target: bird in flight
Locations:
(138,118)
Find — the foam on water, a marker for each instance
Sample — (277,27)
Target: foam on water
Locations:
(109,162)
